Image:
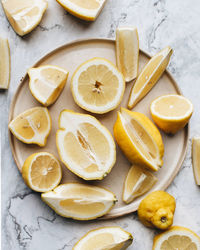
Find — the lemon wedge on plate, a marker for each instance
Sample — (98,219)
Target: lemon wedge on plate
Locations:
(80,201)
(196,159)
(85,146)
(4,63)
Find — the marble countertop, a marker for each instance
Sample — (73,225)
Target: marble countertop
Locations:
(27,223)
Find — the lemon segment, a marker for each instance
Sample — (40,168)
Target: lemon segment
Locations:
(4,64)
(97,86)
(127,52)
(149,76)
(196,159)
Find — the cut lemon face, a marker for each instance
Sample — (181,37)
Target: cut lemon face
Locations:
(105,238)
(85,146)
(139,139)
(24,15)
(97,86)
(149,76)
(4,64)
(87,10)
(32,126)
(46,83)
(196,159)
(80,201)
(127,52)
(177,238)
(42,172)
(171,112)
(138,182)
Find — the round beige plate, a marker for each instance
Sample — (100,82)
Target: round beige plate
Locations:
(69,57)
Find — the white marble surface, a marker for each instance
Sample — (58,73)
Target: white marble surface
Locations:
(29,224)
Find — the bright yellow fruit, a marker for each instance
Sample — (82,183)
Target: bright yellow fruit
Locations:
(139,139)
(171,112)
(24,15)
(97,86)
(196,159)
(149,76)
(80,201)
(42,172)
(105,238)
(46,83)
(177,238)
(4,64)
(85,146)
(32,126)
(157,210)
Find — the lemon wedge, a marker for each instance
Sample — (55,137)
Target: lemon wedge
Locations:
(196,159)
(4,64)
(80,201)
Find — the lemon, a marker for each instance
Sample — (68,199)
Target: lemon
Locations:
(42,172)
(105,238)
(85,146)
(97,86)
(177,237)
(4,64)
(24,15)
(171,112)
(138,182)
(196,159)
(80,201)
(84,9)
(32,126)
(149,76)
(127,52)
(139,139)
(46,83)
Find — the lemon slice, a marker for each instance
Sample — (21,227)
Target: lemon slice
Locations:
(139,139)
(127,52)
(87,10)
(85,146)
(149,76)
(42,172)
(97,86)
(24,15)
(177,238)
(196,159)
(4,64)
(171,112)
(138,182)
(105,238)
(46,83)
(32,126)
(80,201)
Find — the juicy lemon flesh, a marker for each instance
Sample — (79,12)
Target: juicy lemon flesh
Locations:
(178,242)
(86,4)
(83,191)
(4,63)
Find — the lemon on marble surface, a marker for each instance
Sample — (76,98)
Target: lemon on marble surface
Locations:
(4,63)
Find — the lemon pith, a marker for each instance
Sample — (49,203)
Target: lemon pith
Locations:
(4,64)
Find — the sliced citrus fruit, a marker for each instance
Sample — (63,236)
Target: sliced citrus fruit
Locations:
(149,76)
(80,201)
(97,86)
(32,126)
(177,238)
(127,52)
(171,112)
(105,238)
(42,172)
(85,146)
(196,159)
(4,64)
(24,15)
(139,139)
(46,83)
(138,182)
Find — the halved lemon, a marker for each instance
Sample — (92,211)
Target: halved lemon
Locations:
(85,146)
(196,159)
(105,238)
(127,51)
(84,9)
(138,182)
(4,64)
(149,76)
(139,139)
(177,238)
(46,83)
(97,86)
(24,15)
(80,201)
(42,172)
(171,112)
(32,126)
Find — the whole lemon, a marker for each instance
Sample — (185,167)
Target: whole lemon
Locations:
(157,210)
